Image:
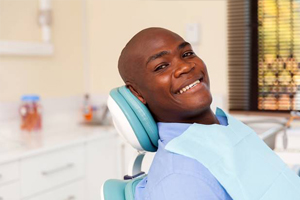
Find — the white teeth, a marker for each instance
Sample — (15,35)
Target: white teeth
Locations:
(186,88)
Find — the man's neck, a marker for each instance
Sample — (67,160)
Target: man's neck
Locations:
(204,117)
(207,117)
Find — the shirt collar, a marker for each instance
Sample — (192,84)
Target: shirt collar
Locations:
(168,131)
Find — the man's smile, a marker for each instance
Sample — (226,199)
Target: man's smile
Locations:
(185,88)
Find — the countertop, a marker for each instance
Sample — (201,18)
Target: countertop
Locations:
(16,144)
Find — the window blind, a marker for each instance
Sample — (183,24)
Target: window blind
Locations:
(239,44)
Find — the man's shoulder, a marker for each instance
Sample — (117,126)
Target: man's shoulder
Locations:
(183,185)
(166,163)
(171,172)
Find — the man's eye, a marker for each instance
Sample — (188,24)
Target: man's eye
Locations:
(186,54)
(161,67)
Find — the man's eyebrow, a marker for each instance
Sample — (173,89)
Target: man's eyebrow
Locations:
(182,45)
(162,53)
(157,55)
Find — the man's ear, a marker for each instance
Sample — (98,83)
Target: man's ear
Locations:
(136,93)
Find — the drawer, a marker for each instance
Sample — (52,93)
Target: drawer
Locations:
(73,191)
(10,191)
(51,169)
(9,172)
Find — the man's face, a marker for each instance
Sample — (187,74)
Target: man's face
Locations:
(173,80)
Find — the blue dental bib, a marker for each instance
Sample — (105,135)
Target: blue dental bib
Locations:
(246,167)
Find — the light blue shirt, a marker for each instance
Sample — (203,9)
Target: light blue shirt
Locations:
(176,177)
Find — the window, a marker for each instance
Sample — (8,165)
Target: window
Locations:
(264,55)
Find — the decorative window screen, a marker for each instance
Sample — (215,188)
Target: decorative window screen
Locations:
(264,55)
(278,54)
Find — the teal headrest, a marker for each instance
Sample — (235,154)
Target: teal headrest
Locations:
(137,115)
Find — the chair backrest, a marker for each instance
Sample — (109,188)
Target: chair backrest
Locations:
(134,122)
(114,189)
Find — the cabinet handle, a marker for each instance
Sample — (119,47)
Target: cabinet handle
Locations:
(53,171)
(69,198)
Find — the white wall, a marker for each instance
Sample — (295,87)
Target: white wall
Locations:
(113,23)
(58,75)
(110,25)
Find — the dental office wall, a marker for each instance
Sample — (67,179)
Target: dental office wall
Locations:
(113,23)
(110,24)
(57,75)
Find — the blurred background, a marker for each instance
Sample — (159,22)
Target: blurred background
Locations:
(58,62)
(88,36)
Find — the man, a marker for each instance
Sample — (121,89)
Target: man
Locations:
(165,74)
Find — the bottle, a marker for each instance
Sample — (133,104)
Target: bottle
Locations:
(87,109)
(30,113)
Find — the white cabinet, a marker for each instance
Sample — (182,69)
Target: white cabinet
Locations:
(9,181)
(109,158)
(73,170)
(10,191)
(103,162)
(73,191)
(9,172)
(51,169)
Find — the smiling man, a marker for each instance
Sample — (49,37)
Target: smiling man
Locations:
(165,74)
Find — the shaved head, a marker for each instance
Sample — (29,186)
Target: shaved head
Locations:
(132,58)
(161,69)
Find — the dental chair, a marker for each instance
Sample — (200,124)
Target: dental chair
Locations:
(135,124)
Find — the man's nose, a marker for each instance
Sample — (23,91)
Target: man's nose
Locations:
(183,67)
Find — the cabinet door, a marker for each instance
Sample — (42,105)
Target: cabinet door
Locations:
(102,163)
(9,172)
(10,191)
(73,191)
(51,169)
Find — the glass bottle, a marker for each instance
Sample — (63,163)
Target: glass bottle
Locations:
(31,113)
(87,109)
